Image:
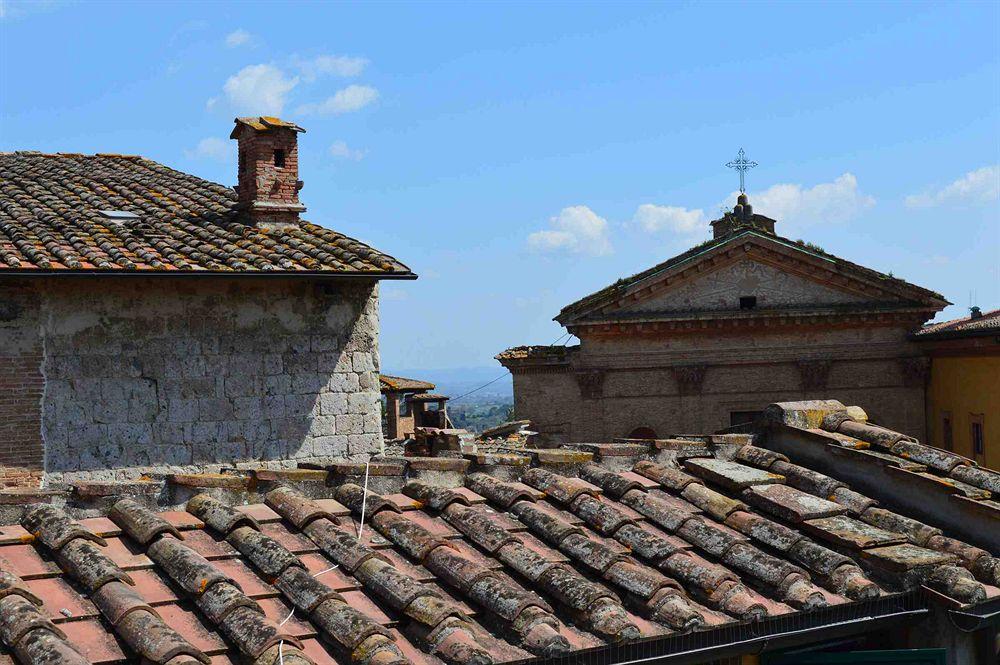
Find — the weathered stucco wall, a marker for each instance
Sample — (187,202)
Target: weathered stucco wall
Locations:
(692,382)
(175,374)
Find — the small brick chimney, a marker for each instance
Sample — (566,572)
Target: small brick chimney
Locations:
(269,184)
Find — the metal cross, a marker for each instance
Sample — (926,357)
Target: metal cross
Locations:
(741,164)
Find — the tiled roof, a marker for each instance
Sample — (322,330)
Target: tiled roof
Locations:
(576,554)
(986,324)
(398,383)
(51,220)
(537,352)
(587,303)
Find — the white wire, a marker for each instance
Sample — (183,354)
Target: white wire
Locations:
(281,643)
(364,502)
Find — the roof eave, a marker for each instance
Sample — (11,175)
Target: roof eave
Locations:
(312,274)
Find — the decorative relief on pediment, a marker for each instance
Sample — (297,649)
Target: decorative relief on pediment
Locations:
(689,378)
(591,384)
(813,374)
(722,289)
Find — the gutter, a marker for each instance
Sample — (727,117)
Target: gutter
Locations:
(780,632)
(983,615)
(262,274)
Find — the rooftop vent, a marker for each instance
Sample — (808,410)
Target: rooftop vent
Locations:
(119,216)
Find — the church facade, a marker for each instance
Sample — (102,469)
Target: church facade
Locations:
(703,340)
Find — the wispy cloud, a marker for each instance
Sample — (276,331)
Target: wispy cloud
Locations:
(575,230)
(267,88)
(213,148)
(238,37)
(793,205)
(798,206)
(341,150)
(258,90)
(655,218)
(334,65)
(979,186)
(347,100)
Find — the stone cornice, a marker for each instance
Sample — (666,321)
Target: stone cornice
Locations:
(697,322)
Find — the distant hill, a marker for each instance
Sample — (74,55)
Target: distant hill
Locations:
(458,381)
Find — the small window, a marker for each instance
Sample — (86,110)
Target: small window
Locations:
(642,433)
(748,302)
(947,433)
(279,158)
(743,417)
(978,446)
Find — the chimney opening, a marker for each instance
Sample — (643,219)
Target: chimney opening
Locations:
(279,158)
(748,302)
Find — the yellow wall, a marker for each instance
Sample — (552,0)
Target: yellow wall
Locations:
(964,386)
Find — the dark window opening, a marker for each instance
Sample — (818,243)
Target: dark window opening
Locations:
(947,434)
(642,433)
(748,302)
(279,158)
(978,447)
(743,417)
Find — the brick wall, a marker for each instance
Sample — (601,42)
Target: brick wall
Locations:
(21,385)
(691,383)
(173,375)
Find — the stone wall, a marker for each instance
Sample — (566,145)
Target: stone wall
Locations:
(165,374)
(693,382)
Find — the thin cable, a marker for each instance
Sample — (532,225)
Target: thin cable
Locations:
(568,335)
(455,399)
(281,643)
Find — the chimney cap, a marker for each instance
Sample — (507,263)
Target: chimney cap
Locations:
(264,123)
(975,312)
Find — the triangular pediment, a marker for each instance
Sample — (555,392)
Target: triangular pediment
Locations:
(778,274)
(721,288)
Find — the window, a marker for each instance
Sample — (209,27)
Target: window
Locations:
(748,302)
(642,433)
(743,417)
(947,433)
(978,445)
(279,158)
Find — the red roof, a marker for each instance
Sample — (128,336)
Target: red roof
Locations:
(495,571)
(121,213)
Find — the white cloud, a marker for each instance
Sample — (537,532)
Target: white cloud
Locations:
(796,206)
(349,99)
(979,186)
(654,218)
(336,65)
(341,150)
(213,148)
(577,230)
(259,90)
(237,38)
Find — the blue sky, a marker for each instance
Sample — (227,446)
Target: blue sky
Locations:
(519,157)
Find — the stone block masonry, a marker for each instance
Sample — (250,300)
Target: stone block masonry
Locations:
(173,375)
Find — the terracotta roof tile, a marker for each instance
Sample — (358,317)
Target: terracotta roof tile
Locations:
(534,568)
(50,220)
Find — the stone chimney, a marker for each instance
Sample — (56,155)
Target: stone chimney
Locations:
(268,189)
(742,216)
